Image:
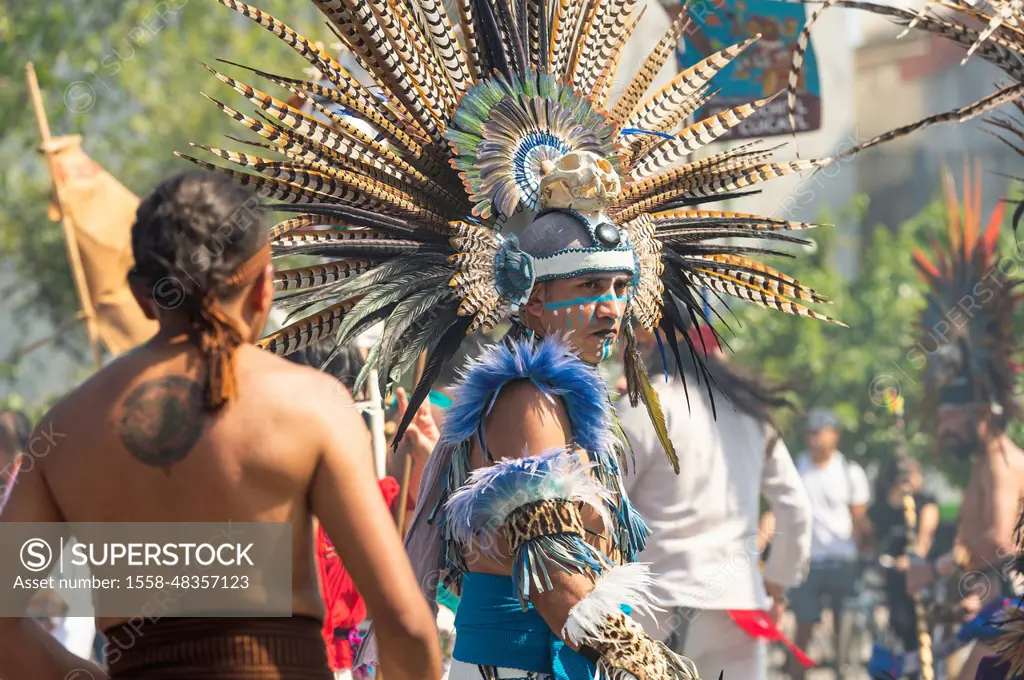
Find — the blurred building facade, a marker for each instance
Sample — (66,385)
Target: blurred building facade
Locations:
(900,81)
(872,81)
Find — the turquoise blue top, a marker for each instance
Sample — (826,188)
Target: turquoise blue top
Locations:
(492,630)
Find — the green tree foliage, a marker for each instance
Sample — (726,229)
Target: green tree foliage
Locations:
(850,369)
(124,74)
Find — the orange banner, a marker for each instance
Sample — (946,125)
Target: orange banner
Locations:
(101,211)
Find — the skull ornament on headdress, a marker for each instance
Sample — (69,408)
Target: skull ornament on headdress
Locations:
(581,181)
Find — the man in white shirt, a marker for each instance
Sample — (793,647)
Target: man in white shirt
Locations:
(839,493)
(703,549)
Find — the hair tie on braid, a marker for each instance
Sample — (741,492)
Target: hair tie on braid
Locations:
(218,338)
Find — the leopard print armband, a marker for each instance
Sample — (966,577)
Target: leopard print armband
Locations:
(542,518)
(536,504)
(627,652)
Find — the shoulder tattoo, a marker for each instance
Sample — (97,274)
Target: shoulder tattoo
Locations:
(162,419)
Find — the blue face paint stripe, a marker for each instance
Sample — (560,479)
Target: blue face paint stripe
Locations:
(585,300)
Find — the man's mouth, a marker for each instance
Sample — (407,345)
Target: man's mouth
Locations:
(604,334)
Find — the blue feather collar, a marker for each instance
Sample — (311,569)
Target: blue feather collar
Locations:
(551,365)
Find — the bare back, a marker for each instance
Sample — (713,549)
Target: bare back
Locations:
(992,503)
(143,450)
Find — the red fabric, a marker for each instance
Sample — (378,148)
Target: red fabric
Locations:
(755,623)
(344,606)
(390,487)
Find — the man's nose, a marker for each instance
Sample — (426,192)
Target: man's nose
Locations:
(609,306)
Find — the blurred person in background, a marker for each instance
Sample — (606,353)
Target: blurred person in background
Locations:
(704,547)
(839,493)
(1007,660)
(199,424)
(345,608)
(966,357)
(888,536)
(342,631)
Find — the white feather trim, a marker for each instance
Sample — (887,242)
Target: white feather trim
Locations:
(613,673)
(627,584)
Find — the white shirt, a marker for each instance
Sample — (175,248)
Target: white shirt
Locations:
(704,522)
(832,489)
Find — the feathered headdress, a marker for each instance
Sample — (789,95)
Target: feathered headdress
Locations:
(500,109)
(968,322)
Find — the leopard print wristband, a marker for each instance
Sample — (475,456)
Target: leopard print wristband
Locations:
(542,518)
(624,647)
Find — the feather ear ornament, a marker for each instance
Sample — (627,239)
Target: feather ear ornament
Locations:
(639,388)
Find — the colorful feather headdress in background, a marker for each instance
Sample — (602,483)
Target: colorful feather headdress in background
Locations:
(499,110)
(969,348)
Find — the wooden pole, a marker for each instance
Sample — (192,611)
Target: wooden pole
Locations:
(403,494)
(74,256)
(376,412)
(894,402)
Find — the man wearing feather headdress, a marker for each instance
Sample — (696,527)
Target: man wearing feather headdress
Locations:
(969,384)
(521,509)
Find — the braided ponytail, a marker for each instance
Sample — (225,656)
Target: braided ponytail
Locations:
(198,239)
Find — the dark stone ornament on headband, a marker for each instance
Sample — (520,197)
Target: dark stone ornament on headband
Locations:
(607,235)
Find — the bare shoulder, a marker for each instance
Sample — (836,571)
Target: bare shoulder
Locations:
(83,409)
(311,403)
(525,420)
(521,401)
(997,462)
(1015,466)
(292,384)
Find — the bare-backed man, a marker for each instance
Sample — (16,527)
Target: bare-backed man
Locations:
(199,425)
(970,381)
(985,535)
